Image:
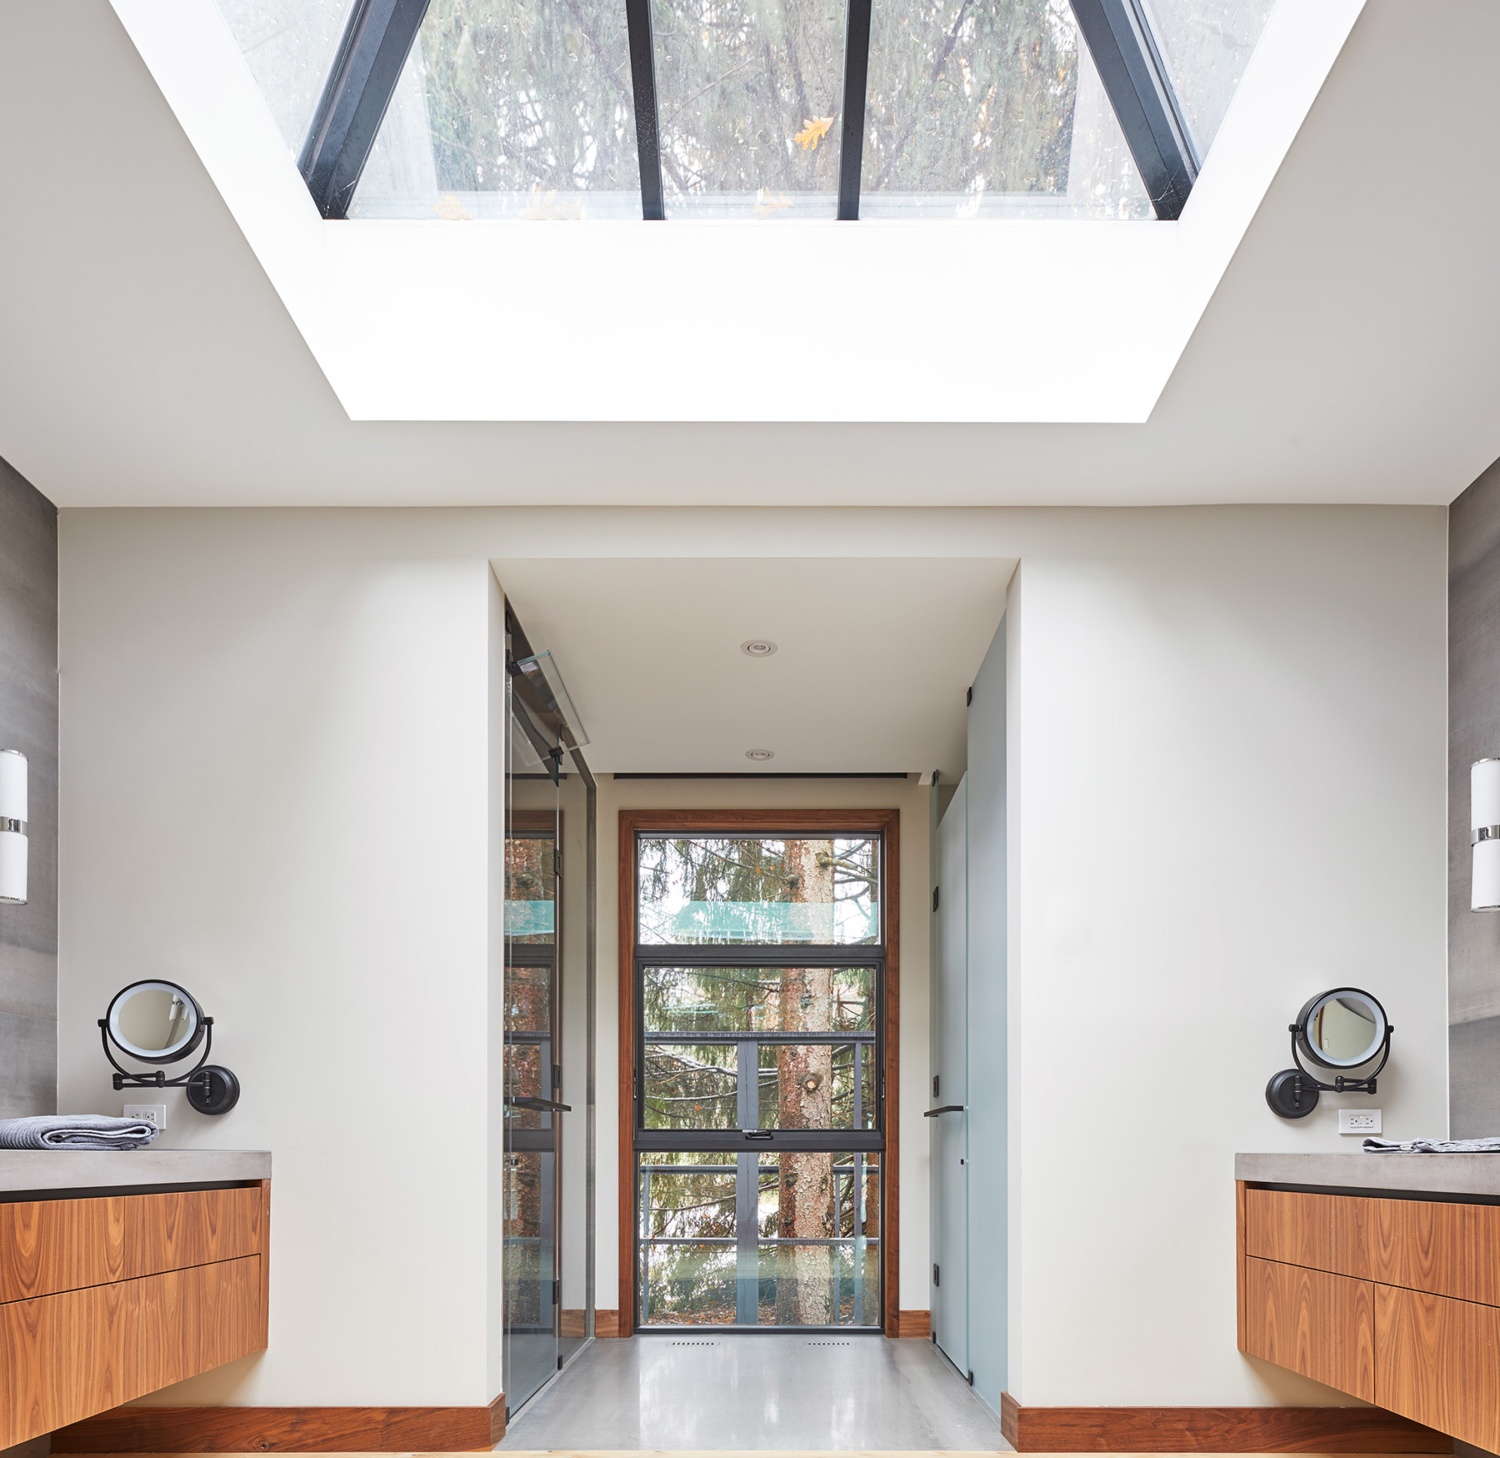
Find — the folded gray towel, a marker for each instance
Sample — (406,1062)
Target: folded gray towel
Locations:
(75,1131)
(1489,1145)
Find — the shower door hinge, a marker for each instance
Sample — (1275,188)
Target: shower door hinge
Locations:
(971,1379)
(935,1280)
(935,891)
(936,1079)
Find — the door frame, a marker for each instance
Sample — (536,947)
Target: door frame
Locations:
(887,824)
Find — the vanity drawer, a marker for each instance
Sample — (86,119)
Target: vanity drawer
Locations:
(1438,1362)
(1314,1322)
(48,1246)
(190,1228)
(1325,1232)
(1429,1245)
(66,1357)
(197,1319)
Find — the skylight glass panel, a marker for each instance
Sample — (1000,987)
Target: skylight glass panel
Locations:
(509,109)
(288,46)
(748,98)
(990,110)
(1206,45)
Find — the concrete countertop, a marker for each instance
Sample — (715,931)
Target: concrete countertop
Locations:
(91,1169)
(1441,1174)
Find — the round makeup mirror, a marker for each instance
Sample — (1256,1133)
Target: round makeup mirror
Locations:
(160,1022)
(1343,1028)
(155,1022)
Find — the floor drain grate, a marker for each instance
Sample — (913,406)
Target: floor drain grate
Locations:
(828,1344)
(694,1344)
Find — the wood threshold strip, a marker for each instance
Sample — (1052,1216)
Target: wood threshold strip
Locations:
(287,1430)
(1213,1430)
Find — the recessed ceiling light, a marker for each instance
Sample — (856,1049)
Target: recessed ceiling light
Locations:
(760,754)
(758,647)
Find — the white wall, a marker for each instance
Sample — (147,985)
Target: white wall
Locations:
(277,737)
(1226,793)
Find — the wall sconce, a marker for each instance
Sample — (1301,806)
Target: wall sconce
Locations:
(12,827)
(1484,834)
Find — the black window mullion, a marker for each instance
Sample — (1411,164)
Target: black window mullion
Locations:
(756,954)
(372,52)
(856,85)
(1145,103)
(647,124)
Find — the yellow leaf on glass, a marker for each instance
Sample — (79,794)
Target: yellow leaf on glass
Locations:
(768,202)
(451,210)
(814,129)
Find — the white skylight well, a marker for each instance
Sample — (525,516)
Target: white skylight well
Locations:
(754,109)
(1034,311)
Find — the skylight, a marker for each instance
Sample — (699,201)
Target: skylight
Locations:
(768,109)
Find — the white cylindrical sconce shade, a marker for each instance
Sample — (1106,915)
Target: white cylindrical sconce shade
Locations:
(1484,834)
(13,811)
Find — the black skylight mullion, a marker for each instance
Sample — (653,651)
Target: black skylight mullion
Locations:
(1140,91)
(856,87)
(647,128)
(372,53)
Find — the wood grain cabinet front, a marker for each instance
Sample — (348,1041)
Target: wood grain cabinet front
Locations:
(1438,1362)
(1396,1301)
(1315,1323)
(105,1300)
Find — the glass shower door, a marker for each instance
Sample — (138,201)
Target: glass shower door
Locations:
(533,1112)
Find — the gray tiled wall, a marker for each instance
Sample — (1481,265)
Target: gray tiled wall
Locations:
(1473,733)
(28,722)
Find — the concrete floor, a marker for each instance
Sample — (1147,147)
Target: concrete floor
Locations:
(731,1391)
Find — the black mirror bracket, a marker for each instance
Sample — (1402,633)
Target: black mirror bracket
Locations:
(1293,1093)
(211,1088)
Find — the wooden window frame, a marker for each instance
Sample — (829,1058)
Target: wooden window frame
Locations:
(886,824)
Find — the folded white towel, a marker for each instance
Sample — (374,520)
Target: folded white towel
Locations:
(75,1131)
(1489,1145)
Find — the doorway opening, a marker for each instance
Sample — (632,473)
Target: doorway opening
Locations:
(759,976)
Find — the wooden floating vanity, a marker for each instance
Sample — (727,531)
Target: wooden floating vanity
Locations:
(122,1273)
(1378,1275)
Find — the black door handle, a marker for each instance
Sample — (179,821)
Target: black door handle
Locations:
(519,1101)
(757,1133)
(946,1109)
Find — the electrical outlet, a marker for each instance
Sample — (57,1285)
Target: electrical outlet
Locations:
(148,1114)
(1359,1121)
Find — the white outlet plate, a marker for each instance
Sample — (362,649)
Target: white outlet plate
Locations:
(148,1114)
(1359,1121)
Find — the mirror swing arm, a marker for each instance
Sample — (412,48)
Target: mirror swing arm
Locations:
(210,1088)
(1293,1092)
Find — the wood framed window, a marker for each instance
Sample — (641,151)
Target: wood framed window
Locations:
(759,984)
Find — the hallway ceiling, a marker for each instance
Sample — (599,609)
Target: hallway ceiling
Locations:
(1348,354)
(873,657)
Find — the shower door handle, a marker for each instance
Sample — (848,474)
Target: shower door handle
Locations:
(946,1109)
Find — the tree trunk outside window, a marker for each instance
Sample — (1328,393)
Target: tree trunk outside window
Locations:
(805,1081)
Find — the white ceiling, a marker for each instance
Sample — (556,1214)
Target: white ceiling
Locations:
(873,657)
(1349,354)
